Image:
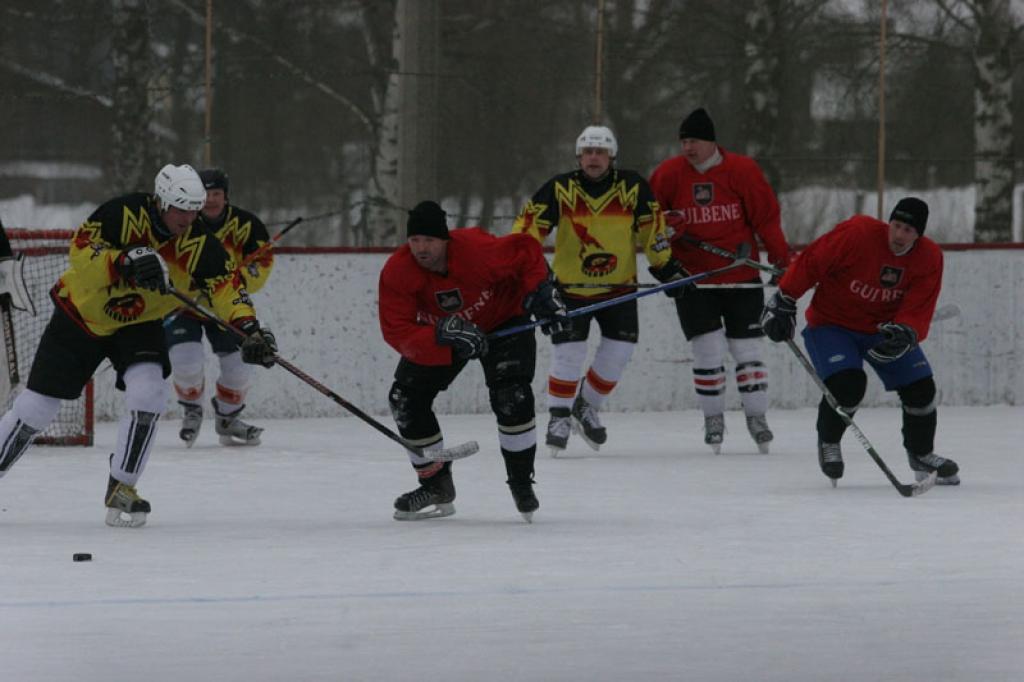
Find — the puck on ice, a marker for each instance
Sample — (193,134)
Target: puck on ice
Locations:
(81,557)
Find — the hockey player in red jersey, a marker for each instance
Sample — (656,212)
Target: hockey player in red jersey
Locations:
(600,215)
(877,285)
(440,295)
(721,198)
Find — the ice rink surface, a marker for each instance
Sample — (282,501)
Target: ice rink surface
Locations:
(651,560)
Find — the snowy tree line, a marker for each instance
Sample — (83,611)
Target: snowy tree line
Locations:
(348,111)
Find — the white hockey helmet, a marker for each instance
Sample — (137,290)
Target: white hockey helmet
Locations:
(179,186)
(600,137)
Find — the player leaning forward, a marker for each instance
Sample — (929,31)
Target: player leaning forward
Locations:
(877,285)
(440,294)
(110,303)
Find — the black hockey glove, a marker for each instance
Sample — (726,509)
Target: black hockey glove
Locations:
(143,267)
(778,319)
(467,340)
(669,272)
(545,304)
(259,346)
(899,339)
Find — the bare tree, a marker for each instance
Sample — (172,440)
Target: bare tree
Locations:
(994,32)
(130,58)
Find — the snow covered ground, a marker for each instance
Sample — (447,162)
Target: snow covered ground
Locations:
(651,560)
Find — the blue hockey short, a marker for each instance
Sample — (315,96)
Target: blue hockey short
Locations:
(183,327)
(833,349)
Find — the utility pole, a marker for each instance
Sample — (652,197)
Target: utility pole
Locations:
(419,25)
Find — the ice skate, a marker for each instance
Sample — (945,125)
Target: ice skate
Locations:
(191,422)
(125,509)
(830,459)
(558,430)
(923,465)
(234,431)
(586,423)
(714,431)
(436,491)
(757,425)
(525,499)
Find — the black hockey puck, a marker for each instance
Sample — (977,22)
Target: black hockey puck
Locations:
(85,556)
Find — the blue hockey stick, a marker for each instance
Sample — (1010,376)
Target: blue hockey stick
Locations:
(740,259)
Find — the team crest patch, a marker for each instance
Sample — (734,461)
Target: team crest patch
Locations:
(127,308)
(599,264)
(449,300)
(890,276)
(703,193)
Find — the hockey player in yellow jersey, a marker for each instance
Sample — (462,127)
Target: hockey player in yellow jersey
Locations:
(110,304)
(245,238)
(600,215)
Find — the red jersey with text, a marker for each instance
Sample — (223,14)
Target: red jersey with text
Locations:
(725,206)
(487,279)
(861,283)
(600,224)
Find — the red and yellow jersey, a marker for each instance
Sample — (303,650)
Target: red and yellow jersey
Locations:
(862,283)
(600,224)
(487,279)
(243,236)
(93,293)
(726,206)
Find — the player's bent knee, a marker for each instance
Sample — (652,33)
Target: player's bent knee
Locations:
(919,397)
(145,388)
(513,404)
(848,386)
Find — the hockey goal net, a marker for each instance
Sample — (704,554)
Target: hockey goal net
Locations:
(46,257)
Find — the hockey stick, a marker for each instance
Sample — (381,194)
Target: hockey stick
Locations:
(647,285)
(443,455)
(265,246)
(738,261)
(724,253)
(904,489)
(7,318)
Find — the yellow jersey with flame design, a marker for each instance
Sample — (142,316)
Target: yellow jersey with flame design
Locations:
(244,235)
(601,224)
(94,294)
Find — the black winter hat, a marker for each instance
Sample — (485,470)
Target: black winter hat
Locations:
(427,218)
(698,125)
(913,212)
(214,178)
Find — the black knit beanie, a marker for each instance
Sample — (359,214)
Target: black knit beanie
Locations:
(697,125)
(913,212)
(427,219)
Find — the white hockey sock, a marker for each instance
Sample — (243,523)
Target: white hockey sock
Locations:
(145,399)
(566,368)
(610,361)
(233,383)
(31,413)
(751,375)
(188,372)
(709,371)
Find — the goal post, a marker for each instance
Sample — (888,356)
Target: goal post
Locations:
(45,255)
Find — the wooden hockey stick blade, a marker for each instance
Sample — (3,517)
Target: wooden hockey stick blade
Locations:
(451,454)
(919,488)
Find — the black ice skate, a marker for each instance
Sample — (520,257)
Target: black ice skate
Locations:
(586,423)
(524,497)
(191,422)
(125,508)
(232,430)
(757,425)
(830,459)
(714,431)
(437,490)
(923,465)
(558,430)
